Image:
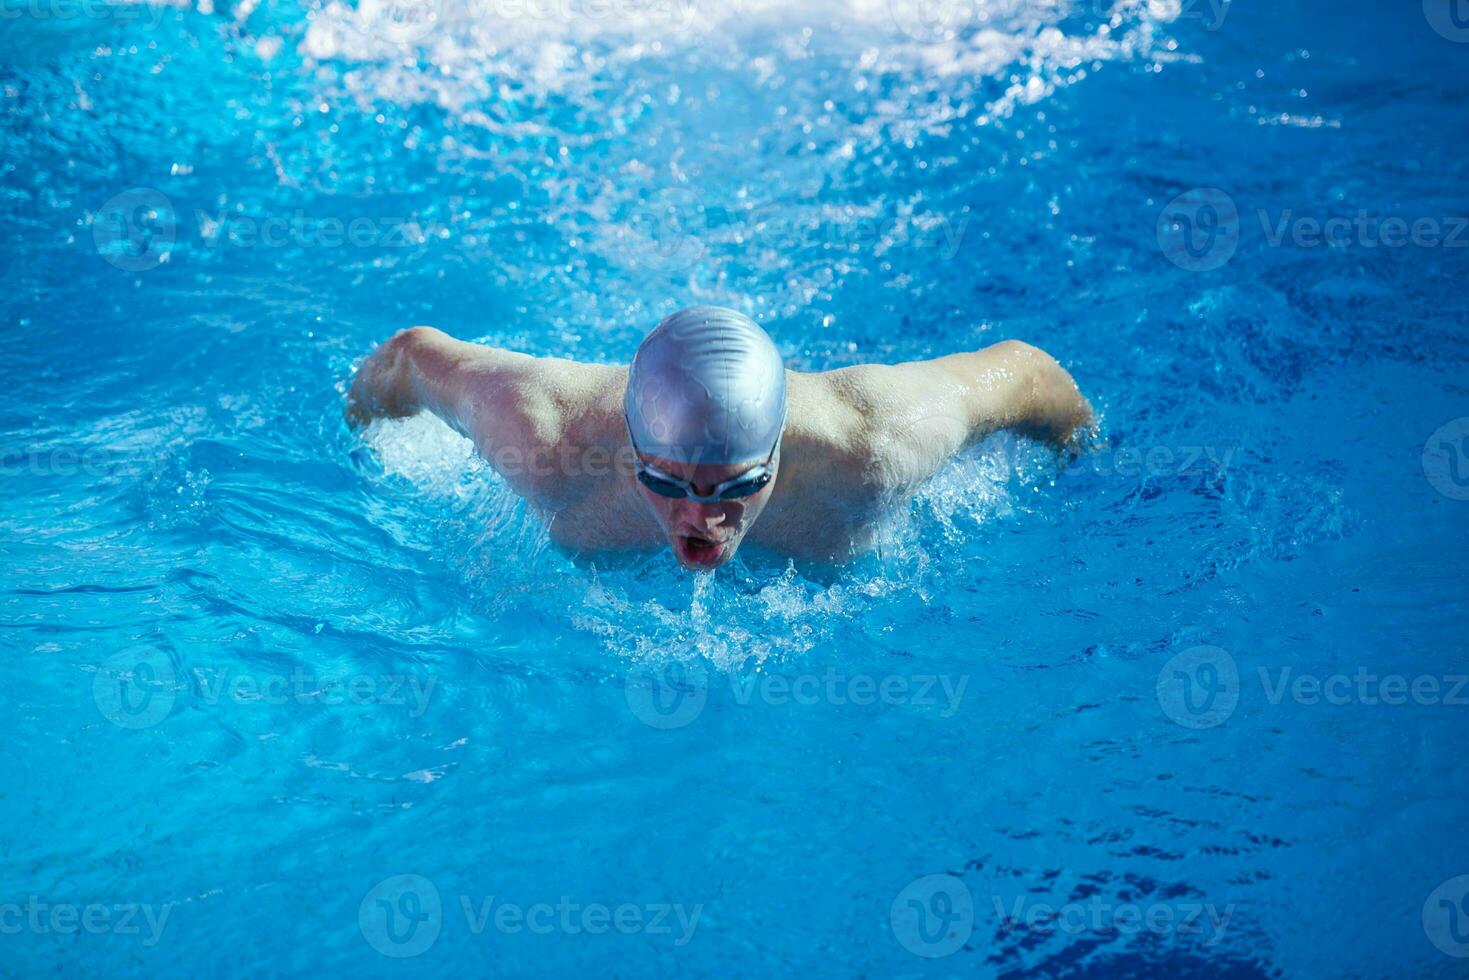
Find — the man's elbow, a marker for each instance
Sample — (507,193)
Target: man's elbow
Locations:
(1051,405)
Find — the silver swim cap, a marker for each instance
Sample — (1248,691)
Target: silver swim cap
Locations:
(706,386)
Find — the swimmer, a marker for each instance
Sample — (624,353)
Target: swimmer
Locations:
(706,441)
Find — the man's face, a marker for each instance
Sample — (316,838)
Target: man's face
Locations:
(705,536)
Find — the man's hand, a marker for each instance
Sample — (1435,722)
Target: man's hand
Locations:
(1015,386)
(383,387)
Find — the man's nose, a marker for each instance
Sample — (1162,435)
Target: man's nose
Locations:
(703,515)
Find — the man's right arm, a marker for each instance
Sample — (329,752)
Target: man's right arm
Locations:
(480,392)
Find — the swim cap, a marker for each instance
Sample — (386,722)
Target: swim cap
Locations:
(706,386)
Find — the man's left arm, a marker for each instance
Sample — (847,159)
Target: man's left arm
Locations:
(916,415)
(1012,385)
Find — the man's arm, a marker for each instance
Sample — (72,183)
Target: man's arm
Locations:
(1012,385)
(916,415)
(488,395)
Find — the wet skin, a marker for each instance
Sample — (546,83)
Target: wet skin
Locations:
(857,441)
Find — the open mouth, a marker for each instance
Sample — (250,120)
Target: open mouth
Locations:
(699,552)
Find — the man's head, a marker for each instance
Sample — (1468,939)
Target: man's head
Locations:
(705,407)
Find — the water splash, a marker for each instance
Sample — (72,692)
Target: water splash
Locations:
(460,52)
(758,609)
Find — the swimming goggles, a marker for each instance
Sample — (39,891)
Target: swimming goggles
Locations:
(748,483)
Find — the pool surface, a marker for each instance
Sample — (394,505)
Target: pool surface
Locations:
(283,699)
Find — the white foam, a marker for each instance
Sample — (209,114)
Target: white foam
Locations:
(647,609)
(454,51)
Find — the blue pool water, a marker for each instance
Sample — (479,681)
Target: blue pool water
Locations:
(283,699)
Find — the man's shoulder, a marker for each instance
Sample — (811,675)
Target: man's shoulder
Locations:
(876,428)
(868,413)
(544,396)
